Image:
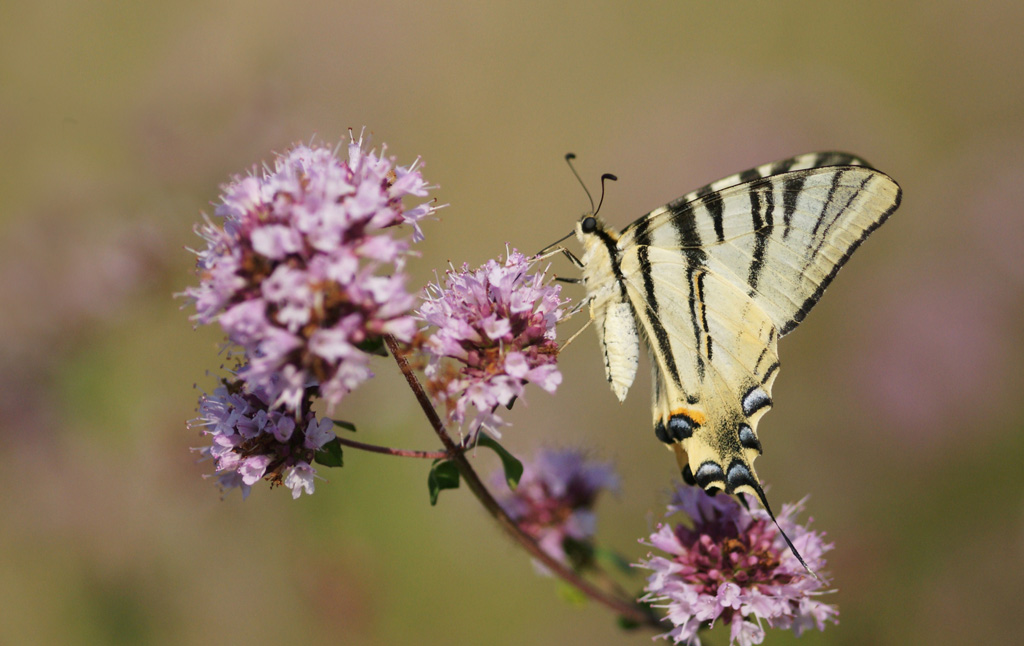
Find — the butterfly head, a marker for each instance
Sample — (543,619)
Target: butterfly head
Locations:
(588,224)
(591,227)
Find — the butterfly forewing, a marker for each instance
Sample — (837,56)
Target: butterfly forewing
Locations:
(713,279)
(782,237)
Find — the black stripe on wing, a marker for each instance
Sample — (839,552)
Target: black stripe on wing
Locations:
(790,192)
(684,220)
(643,240)
(811,300)
(802,162)
(698,316)
(762,209)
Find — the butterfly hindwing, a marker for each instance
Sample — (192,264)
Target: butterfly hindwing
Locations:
(713,352)
(711,280)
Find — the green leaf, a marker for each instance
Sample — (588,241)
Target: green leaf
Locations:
(443,475)
(626,623)
(373,345)
(348,426)
(330,454)
(512,466)
(614,560)
(579,553)
(571,594)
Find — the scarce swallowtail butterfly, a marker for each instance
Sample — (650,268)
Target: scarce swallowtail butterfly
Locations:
(711,281)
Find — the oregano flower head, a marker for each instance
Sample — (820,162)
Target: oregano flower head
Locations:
(304,269)
(732,565)
(496,325)
(251,442)
(554,501)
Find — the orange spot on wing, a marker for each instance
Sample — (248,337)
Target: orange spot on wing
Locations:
(698,417)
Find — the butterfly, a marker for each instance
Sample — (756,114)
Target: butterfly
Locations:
(710,281)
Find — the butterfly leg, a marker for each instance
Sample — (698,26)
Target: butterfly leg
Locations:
(575,310)
(579,331)
(555,249)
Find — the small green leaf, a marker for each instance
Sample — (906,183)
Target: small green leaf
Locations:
(443,475)
(512,466)
(580,553)
(330,454)
(626,623)
(571,594)
(373,345)
(348,426)
(614,560)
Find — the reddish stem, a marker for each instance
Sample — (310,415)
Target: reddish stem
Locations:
(625,608)
(387,450)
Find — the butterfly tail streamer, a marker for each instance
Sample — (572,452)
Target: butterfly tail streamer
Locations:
(796,553)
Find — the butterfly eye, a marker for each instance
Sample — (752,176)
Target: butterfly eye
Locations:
(589,224)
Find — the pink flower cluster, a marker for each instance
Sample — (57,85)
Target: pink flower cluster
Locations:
(733,565)
(497,322)
(305,270)
(252,442)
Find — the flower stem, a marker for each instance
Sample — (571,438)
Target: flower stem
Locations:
(625,608)
(387,450)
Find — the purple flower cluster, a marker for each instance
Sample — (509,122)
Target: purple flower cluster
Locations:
(305,271)
(733,565)
(555,498)
(497,322)
(252,442)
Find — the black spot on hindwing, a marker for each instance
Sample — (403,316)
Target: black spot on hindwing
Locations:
(709,472)
(688,476)
(679,427)
(739,475)
(748,439)
(755,400)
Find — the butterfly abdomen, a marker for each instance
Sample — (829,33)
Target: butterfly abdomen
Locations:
(621,347)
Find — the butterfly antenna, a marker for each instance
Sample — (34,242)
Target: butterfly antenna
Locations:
(568,160)
(604,178)
(764,503)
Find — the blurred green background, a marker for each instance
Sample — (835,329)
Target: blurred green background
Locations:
(898,409)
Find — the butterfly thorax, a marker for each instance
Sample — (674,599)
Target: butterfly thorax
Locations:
(600,257)
(610,307)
